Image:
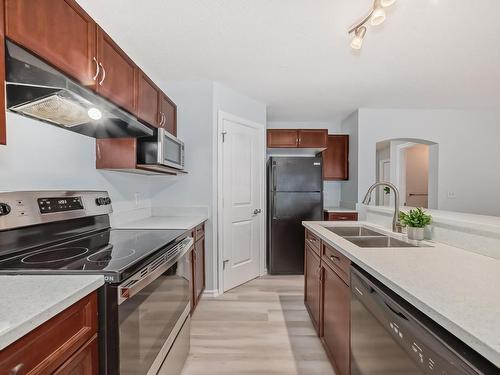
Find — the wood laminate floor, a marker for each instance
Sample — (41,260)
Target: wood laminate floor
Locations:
(261,327)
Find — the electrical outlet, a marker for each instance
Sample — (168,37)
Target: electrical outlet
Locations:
(452,195)
(137,197)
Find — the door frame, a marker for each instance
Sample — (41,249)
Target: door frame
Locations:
(380,176)
(219,189)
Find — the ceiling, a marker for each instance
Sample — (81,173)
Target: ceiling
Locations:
(294,55)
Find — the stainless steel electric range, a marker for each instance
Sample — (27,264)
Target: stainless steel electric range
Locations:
(145,303)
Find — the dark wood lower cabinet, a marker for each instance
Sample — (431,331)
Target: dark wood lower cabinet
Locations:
(312,295)
(198,264)
(327,297)
(336,320)
(66,344)
(83,362)
(340,216)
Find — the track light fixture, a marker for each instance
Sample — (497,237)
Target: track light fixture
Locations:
(359,34)
(376,16)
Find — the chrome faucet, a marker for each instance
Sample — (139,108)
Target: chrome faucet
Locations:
(396,224)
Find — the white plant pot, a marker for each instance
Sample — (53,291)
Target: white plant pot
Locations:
(415,233)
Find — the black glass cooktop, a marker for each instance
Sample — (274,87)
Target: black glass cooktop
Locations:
(114,253)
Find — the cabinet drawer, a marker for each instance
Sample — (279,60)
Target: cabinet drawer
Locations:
(47,347)
(341,216)
(340,263)
(84,362)
(313,241)
(199,232)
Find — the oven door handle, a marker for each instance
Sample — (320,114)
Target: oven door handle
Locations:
(146,275)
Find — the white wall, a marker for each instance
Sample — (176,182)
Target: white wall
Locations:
(40,156)
(331,189)
(349,190)
(469,150)
(198,103)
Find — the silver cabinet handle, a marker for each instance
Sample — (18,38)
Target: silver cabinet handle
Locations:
(97,69)
(257,211)
(103,74)
(162,119)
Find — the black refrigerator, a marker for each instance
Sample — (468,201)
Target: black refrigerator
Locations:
(295,194)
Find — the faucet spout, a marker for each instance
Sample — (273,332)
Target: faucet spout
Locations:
(396,224)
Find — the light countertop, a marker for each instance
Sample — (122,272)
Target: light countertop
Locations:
(456,288)
(29,301)
(164,222)
(339,209)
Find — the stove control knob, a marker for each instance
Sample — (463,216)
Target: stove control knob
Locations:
(4,209)
(100,201)
(108,200)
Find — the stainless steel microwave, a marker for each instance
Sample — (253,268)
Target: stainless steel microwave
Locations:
(161,150)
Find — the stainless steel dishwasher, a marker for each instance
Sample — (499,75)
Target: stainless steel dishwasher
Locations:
(389,336)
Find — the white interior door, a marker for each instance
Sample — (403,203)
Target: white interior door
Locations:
(242,210)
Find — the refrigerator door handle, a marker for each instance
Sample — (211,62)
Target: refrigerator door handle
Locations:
(273,172)
(273,208)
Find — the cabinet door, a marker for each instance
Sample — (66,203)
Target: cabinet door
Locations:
(169,111)
(336,158)
(118,74)
(277,138)
(315,138)
(58,31)
(312,286)
(336,320)
(199,276)
(148,100)
(83,362)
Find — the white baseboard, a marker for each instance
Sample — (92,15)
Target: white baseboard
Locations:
(211,293)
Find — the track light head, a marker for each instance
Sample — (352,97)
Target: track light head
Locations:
(378,16)
(357,41)
(387,3)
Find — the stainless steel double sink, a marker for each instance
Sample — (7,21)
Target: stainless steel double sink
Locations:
(364,237)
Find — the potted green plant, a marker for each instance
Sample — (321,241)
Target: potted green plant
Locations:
(416,220)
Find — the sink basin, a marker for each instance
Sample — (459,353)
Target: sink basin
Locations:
(383,241)
(354,232)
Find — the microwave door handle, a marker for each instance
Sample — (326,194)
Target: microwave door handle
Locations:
(161,146)
(136,283)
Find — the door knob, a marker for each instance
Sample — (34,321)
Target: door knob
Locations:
(257,211)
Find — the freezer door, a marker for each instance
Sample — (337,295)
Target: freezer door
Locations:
(297,174)
(286,247)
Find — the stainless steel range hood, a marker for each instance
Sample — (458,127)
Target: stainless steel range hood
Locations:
(36,90)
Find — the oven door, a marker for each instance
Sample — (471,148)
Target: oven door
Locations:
(171,152)
(151,313)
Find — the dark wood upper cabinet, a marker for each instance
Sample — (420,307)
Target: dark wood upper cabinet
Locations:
(148,100)
(118,73)
(63,34)
(314,138)
(282,138)
(336,158)
(59,31)
(168,114)
(312,279)
(297,138)
(336,320)
(3,127)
